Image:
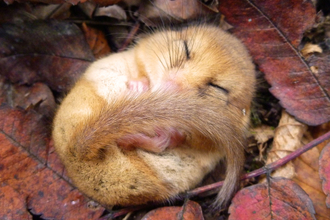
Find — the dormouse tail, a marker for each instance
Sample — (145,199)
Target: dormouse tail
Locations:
(187,112)
(234,162)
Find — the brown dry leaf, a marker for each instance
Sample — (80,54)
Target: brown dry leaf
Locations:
(288,136)
(279,198)
(325,172)
(53,52)
(160,12)
(29,181)
(106,2)
(74,2)
(303,170)
(38,97)
(310,48)
(262,134)
(190,211)
(307,176)
(15,13)
(61,11)
(4,87)
(88,8)
(96,41)
(33,181)
(112,11)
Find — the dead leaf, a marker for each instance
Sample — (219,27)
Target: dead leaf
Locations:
(309,49)
(4,87)
(307,176)
(289,136)
(52,52)
(287,139)
(191,211)
(28,181)
(319,131)
(320,63)
(168,12)
(112,11)
(60,11)
(272,35)
(88,8)
(38,97)
(262,134)
(15,13)
(74,2)
(96,40)
(325,172)
(281,199)
(106,2)
(14,204)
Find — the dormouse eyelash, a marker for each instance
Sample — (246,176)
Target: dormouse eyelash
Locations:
(219,87)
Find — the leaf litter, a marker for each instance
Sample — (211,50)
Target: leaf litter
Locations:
(272,36)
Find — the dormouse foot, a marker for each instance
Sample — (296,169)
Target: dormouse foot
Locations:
(164,138)
(138,85)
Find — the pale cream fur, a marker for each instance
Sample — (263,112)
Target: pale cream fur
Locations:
(181,68)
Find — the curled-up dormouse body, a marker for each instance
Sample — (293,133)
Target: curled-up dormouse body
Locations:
(149,123)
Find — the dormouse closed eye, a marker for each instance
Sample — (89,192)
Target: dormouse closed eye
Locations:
(186,49)
(226,91)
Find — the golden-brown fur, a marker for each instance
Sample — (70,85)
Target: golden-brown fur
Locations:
(148,123)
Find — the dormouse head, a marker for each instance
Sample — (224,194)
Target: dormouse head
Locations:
(199,57)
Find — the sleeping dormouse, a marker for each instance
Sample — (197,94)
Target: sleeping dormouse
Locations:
(149,123)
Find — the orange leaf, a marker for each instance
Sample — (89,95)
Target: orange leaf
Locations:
(96,40)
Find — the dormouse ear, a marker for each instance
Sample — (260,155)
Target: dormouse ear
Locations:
(164,138)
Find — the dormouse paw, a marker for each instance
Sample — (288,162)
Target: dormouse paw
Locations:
(138,85)
(165,138)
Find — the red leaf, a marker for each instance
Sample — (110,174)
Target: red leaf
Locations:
(29,179)
(272,31)
(14,203)
(324,172)
(283,199)
(191,211)
(49,51)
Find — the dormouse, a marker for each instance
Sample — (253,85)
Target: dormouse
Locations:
(149,123)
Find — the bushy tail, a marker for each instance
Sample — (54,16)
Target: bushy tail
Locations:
(187,111)
(234,162)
